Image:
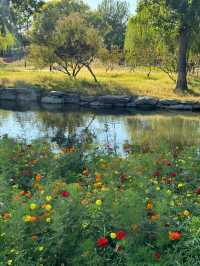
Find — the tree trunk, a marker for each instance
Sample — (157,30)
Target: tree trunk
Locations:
(92,73)
(181,84)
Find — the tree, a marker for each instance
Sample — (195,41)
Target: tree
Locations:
(23,11)
(73,42)
(146,45)
(181,17)
(115,14)
(141,42)
(110,58)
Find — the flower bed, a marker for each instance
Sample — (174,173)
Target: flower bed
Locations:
(98,209)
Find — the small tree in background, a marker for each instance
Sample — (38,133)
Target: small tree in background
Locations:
(110,58)
(69,37)
(115,14)
(146,45)
(75,45)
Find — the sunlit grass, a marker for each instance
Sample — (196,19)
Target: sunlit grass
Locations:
(118,81)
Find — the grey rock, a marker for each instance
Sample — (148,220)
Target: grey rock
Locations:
(186,107)
(72,98)
(114,99)
(196,106)
(166,102)
(88,99)
(146,103)
(131,104)
(28,94)
(98,104)
(8,94)
(57,93)
(49,99)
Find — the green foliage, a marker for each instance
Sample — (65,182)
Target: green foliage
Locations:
(63,28)
(110,58)
(115,14)
(57,214)
(6,41)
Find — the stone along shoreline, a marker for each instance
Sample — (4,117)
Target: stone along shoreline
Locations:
(56,98)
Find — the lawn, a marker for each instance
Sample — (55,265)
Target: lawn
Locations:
(119,81)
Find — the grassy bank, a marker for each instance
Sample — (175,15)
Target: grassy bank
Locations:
(102,209)
(119,81)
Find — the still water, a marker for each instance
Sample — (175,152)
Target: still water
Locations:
(106,128)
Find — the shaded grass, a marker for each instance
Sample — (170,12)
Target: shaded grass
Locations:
(119,81)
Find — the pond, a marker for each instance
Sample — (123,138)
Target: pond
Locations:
(106,128)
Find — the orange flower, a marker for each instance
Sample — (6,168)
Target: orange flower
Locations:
(149,205)
(98,177)
(33,162)
(23,193)
(38,177)
(6,216)
(175,235)
(34,237)
(17,197)
(33,219)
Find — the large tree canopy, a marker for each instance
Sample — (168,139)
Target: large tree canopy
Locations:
(68,36)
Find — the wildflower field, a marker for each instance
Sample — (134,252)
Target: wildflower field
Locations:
(98,208)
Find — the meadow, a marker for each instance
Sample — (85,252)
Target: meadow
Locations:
(98,208)
(119,81)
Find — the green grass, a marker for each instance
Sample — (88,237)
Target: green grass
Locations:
(118,81)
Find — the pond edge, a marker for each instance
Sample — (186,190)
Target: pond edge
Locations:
(59,98)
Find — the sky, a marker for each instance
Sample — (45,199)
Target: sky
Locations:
(94,3)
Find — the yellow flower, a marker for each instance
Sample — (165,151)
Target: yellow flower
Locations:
(27,218)
(113,235)
(33,206)
(48,207)
(149,205)
(48,220)
(98,202)
(49,198)
(158,188)
(186,213)
(9,262)
(180,185)
(41,248)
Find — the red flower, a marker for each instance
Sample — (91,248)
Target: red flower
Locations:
(102,242)
(157,255)
(173,174)
(157,174)
(65,194)
(198,191)
(120,235)
(175,235)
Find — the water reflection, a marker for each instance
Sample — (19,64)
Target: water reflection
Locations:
(114,129)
